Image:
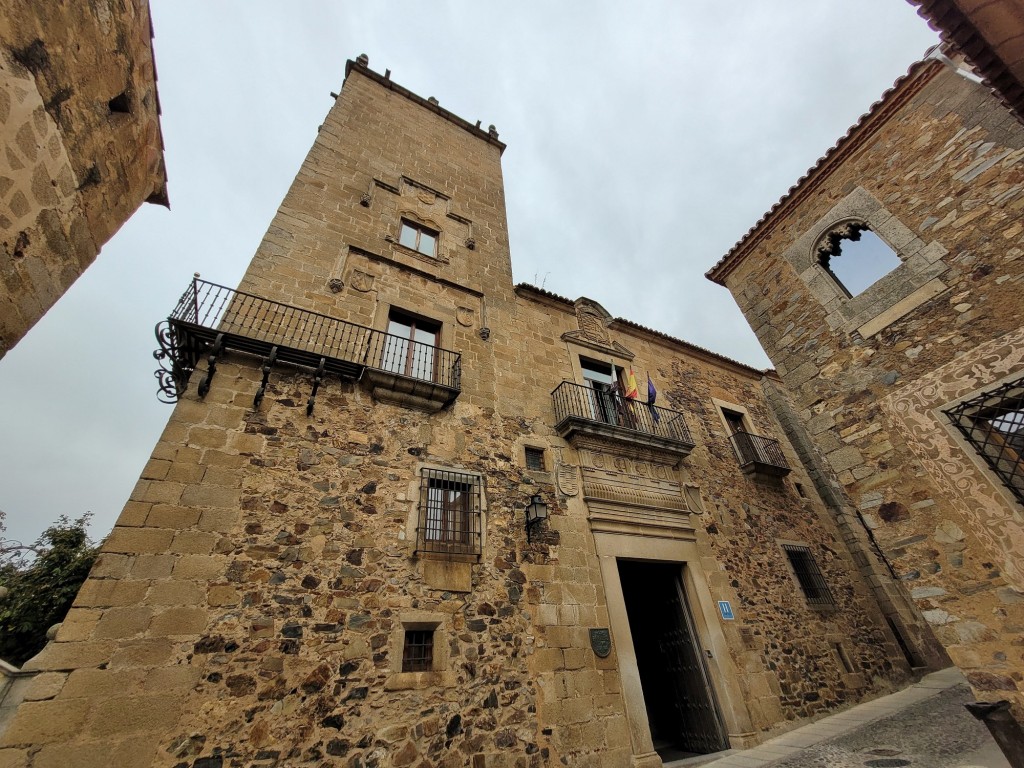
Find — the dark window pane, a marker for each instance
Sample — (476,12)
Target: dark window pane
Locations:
(535,459)
(449,519)
(418,650)
(734,420)
(812,583)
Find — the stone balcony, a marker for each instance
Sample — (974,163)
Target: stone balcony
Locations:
(211,319)
(583,412)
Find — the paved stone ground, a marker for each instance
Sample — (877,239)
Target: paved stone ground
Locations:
(923,726)
(935,733)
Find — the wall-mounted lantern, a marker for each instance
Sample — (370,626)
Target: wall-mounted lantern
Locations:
(536,511)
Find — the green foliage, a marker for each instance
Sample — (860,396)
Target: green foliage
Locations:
(42,589)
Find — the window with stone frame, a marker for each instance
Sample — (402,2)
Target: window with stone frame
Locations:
(894,293)
(809,576)
(418,650)
(534,458)
(449,519)
(993,423)
(855,257)
(418,237)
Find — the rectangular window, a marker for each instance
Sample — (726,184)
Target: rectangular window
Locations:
(449,515)
(806,571)
(410,345)
(601,379)
(734,420)
(993,423)
(418,650)
(418,237)
(535,459)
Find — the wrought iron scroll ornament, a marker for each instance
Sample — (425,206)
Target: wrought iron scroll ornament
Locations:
(173,374)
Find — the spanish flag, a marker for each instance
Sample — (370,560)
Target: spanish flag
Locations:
(632,392)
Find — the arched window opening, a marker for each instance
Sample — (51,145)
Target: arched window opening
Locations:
(866,258)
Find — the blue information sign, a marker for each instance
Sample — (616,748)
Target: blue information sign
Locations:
(726,609)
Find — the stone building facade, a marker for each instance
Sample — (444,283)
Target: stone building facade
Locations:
(79,120)
(912,390)
(326,561)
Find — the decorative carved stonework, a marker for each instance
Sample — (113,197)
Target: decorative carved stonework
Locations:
(631,482)
(464,316)
(613,349)
(593,320)
(568,478)
(969,486)
(335,284)
(830,243)
(592,324)
(361,281)
(693,498)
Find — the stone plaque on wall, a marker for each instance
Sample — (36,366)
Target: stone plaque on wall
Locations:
(601,642)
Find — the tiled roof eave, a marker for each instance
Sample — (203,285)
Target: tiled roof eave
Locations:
(957,29)
(904,89)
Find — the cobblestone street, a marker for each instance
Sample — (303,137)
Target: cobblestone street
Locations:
(922,726)
(935,733)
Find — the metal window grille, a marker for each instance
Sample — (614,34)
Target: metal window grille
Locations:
(993,423)
(807,573)
(449,514)
(535,459)
(418,651)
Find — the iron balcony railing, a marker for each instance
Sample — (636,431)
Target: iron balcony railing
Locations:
(210,318)
(574,400)
(759,453)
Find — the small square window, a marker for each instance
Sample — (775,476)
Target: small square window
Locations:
(535,459)
(807,573)
(418,650)
(418,237)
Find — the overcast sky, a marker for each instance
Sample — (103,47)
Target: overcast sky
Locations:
(644,139)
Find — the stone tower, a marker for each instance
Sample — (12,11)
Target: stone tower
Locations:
(912,388)
(328,560)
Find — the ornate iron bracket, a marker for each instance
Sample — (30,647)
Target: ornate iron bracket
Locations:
(218,346)
(318,377)
(268,364)
(173,374)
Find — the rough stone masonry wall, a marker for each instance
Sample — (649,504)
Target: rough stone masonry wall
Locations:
(786,648)
(74,168)
(947,167)
(782,650)
(248,608)
(244,610)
